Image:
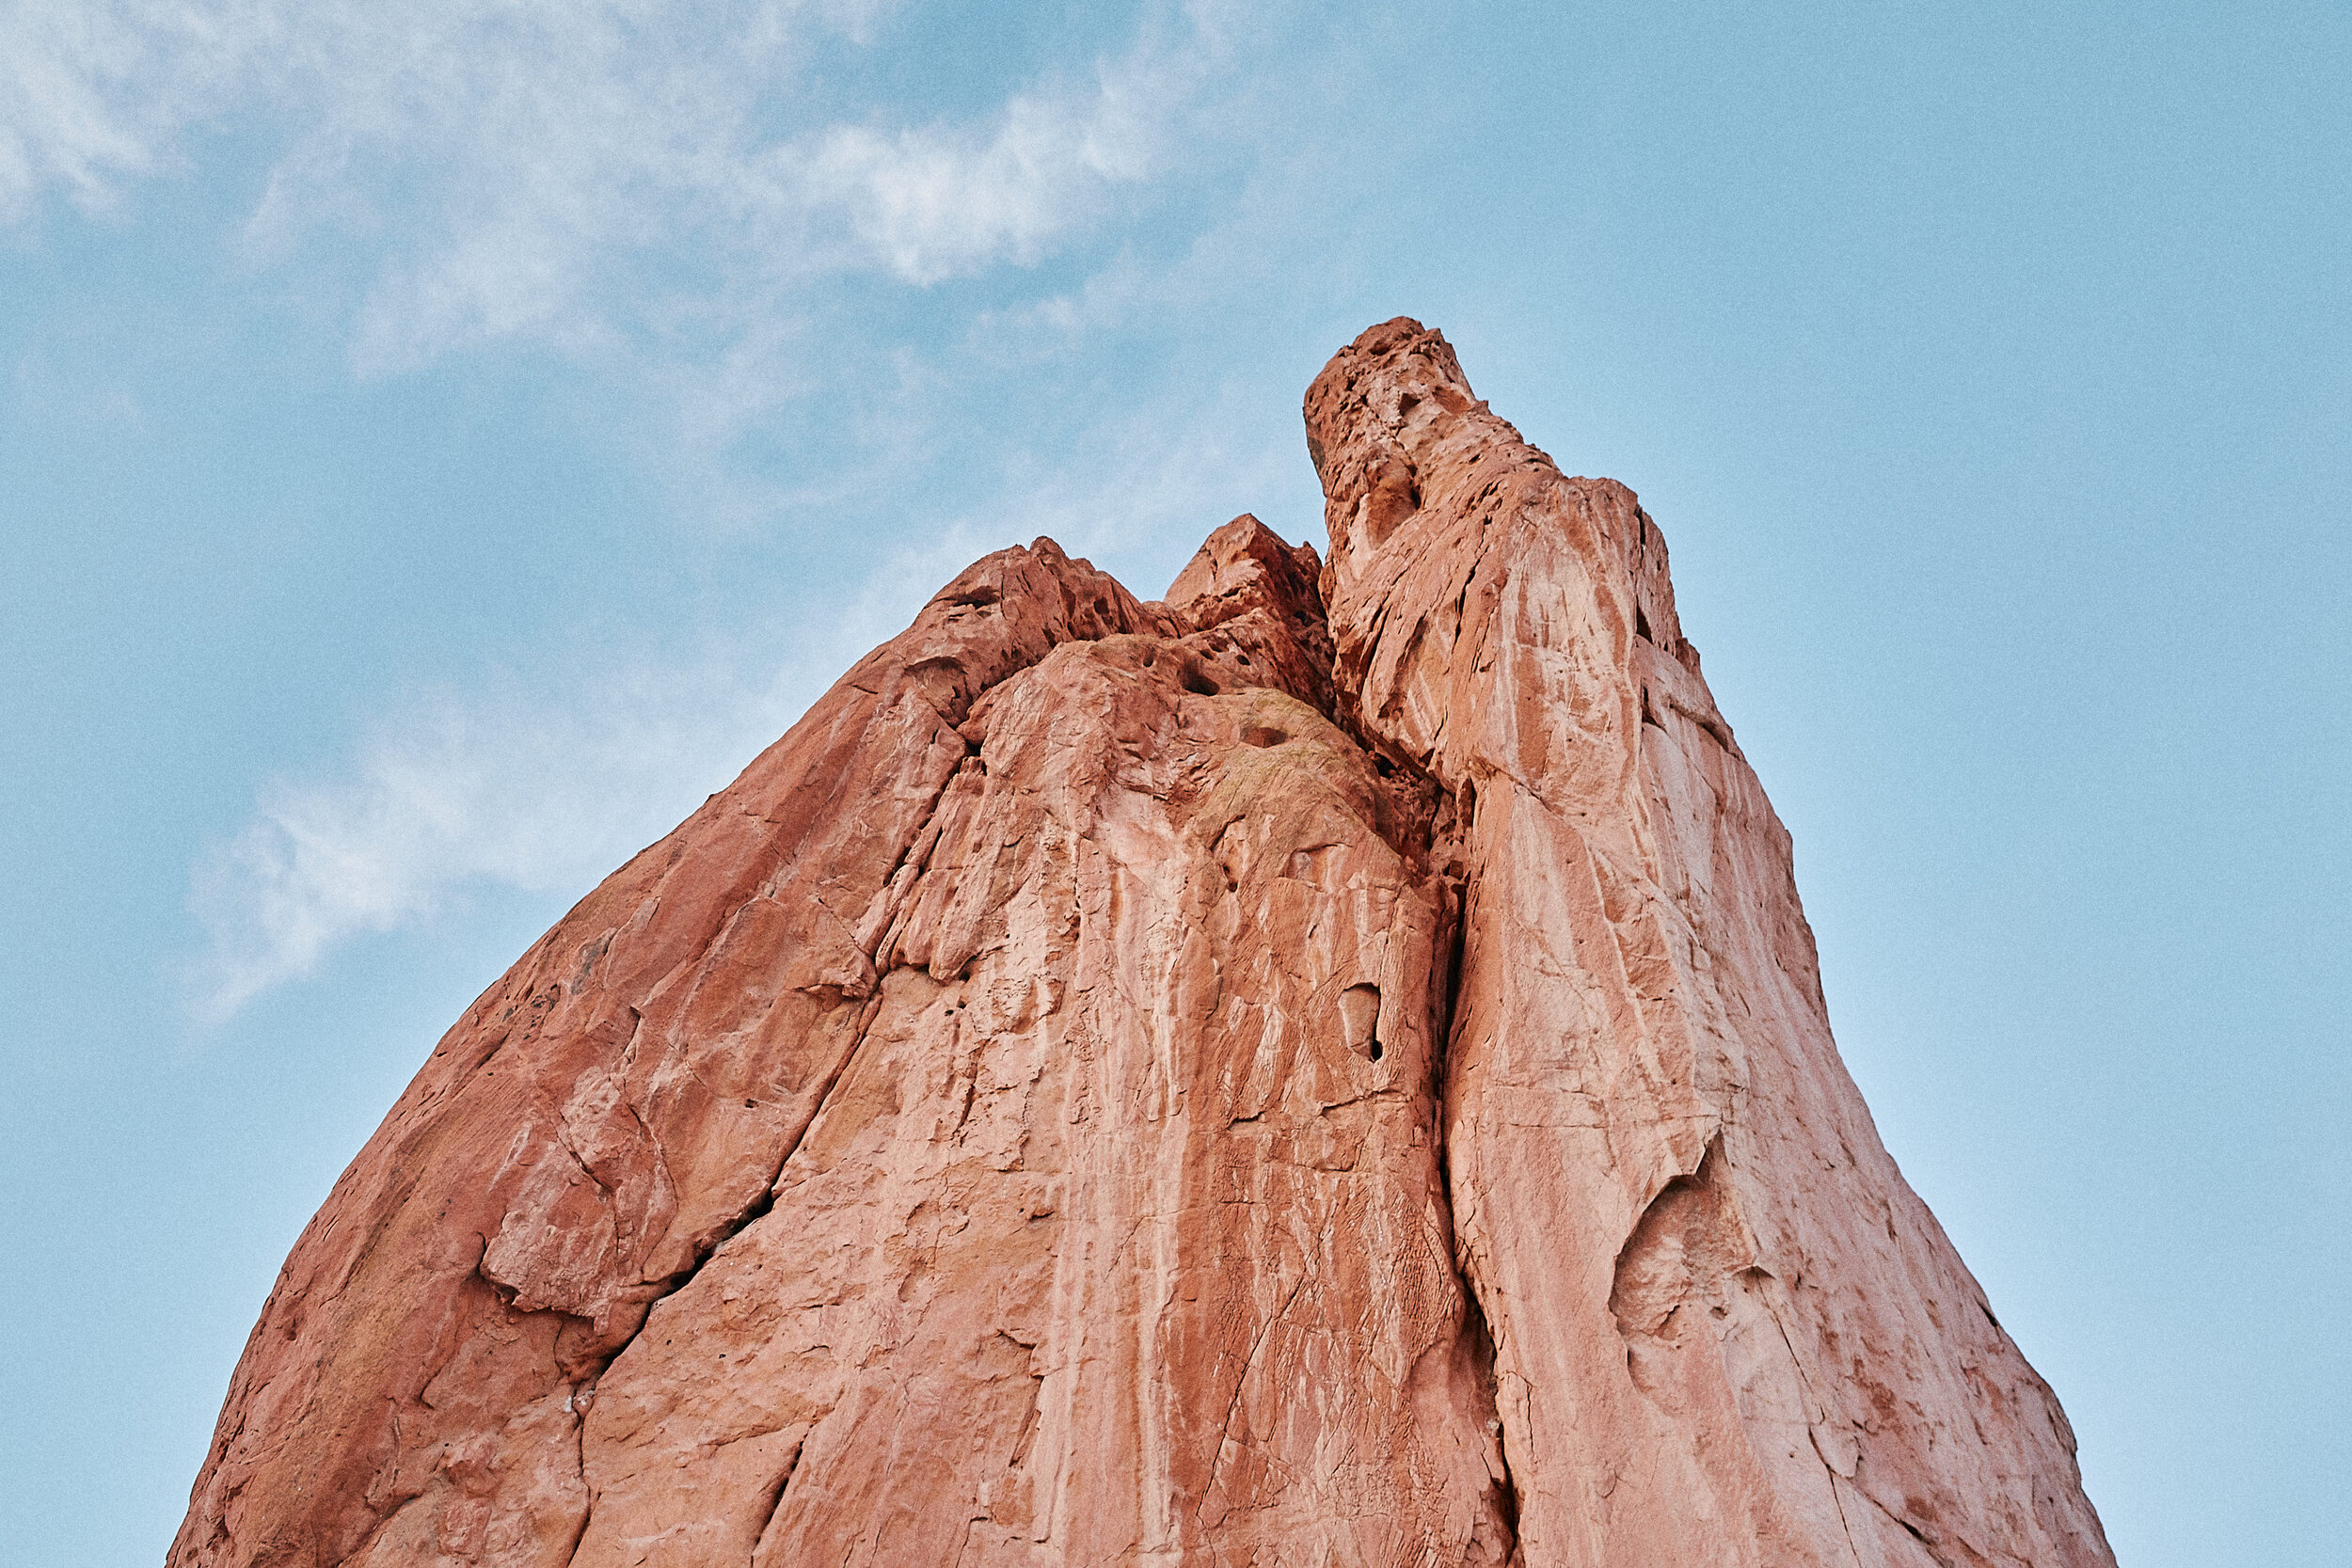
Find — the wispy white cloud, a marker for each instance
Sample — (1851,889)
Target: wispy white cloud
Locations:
(542,787)
(95,93)
(541,791)
(684,200)
(90,94)
(933,201)
(572,174)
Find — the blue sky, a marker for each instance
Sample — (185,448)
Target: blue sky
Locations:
(440,443)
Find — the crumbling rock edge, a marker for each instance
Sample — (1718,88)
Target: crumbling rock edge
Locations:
(1325,1067)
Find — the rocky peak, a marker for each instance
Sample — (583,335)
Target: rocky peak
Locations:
(1328,1068)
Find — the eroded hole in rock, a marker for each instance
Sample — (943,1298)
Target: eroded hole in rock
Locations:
(1259,735)
(1394,497)
(1360,1017)
(1320,864)
(1197,681)
(1683,1253)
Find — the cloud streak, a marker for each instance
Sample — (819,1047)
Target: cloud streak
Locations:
(694,204)
(540,792)
(931,202)
(539,787)
(571,175)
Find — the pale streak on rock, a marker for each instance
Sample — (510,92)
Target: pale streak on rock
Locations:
(1210,1081)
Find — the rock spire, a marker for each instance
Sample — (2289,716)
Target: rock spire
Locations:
(1326,1068)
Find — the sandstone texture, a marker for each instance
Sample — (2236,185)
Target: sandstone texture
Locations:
(1327,1068)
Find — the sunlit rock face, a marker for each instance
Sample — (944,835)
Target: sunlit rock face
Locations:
(1325,1069)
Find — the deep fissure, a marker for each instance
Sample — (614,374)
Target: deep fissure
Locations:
(1444,848)
(775,1503)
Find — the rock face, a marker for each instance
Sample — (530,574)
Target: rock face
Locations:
(1328,1068)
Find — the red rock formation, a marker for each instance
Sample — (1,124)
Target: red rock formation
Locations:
(1313,1071)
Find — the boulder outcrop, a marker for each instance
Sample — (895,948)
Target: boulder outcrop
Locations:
(1326,1068)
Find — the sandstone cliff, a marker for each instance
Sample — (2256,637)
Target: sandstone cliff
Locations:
(1327,1068)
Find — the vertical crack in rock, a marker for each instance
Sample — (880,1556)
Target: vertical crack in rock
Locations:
(1505,1487)
(579,1462)
(1449,875)
(776,1501)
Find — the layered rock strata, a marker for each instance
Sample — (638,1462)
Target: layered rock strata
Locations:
(1326,1068)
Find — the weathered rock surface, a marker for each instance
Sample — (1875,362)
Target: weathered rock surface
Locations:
(1328,1068)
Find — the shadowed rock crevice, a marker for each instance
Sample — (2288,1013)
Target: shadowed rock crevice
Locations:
(775,1504)
(1326,1067)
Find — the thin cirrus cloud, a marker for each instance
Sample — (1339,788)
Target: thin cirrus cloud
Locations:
(573,175)
(649,186)
(520,787)
(455,793)
(933,202)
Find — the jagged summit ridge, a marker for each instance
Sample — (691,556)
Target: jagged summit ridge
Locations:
(1327,1068)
